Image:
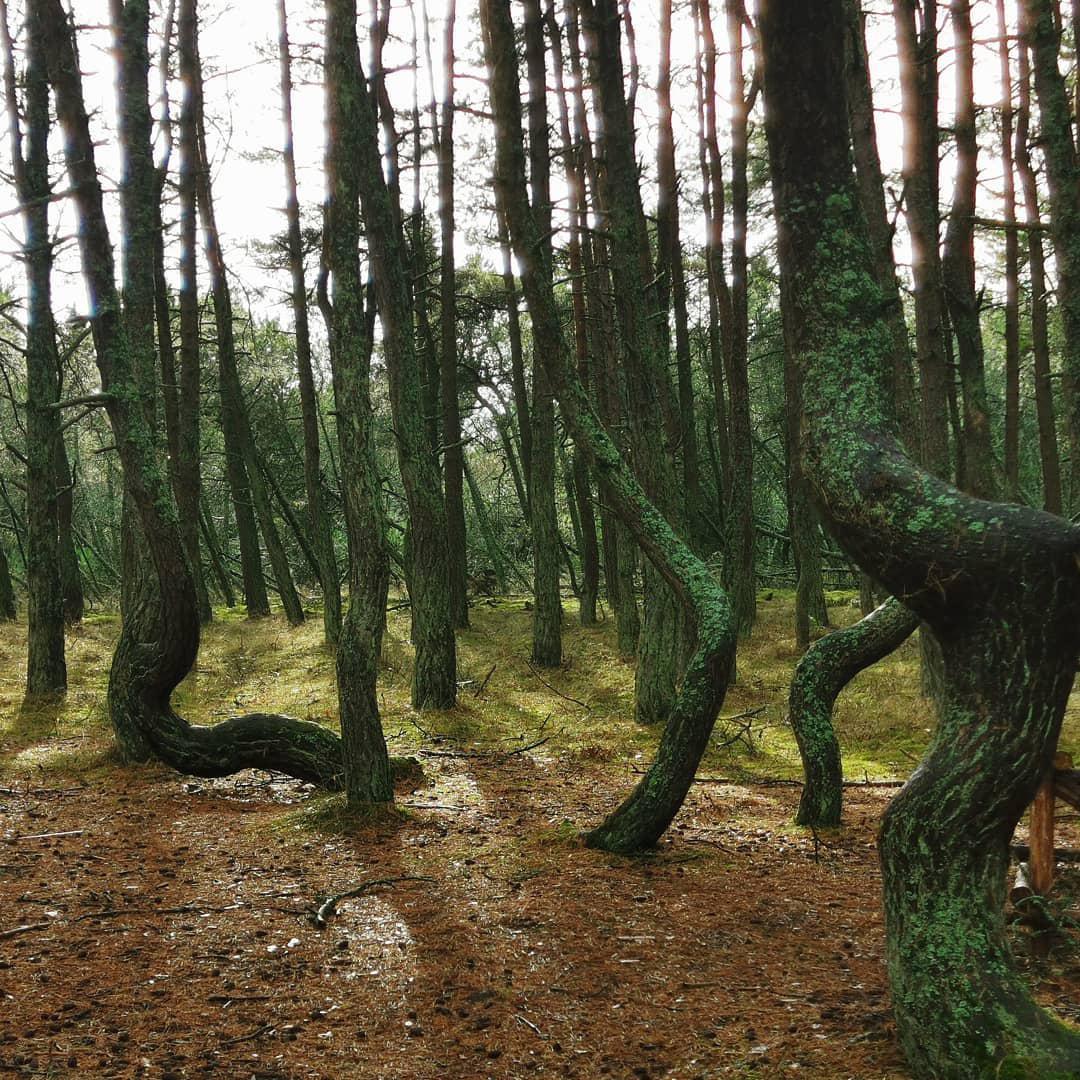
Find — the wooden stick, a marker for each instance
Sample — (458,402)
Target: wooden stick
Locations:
(1041,838)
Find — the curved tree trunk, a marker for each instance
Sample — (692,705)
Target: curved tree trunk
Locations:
(999,586)
(642,818)
(826,668)
(160,633)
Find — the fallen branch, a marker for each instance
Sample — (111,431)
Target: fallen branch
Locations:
(262,1029)
(483,686)
(328,908)
(558,693)
(44,836)
(24,929)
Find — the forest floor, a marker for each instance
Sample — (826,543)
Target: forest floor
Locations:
(160,926)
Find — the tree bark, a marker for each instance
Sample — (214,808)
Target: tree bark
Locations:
(642,819)
(1049,455)
(46,669)
(1063,180)
(547,607)
(999,586)
(318,518)
(648,387)
(958,267)
(367,766)
(435,671)
(823,672)
(160,633)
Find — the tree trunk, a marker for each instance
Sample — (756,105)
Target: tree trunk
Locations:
(642,819)
(46,669)
(672,292)
(998,585)
(242,457)
(187,476)
(435,671)
(1012,265)
(647,383)
(741,577)
(958,267)
(453,449)
(318,518)
(1063,180)
(1049,456)
(367,766)
(160,634)
(8,609)
(547,608)
(826,668)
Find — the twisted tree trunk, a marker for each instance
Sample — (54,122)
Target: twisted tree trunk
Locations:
(160,633)
(825,669)
(642,818)
(998,585)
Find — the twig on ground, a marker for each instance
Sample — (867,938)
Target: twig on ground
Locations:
(24,929)
(558,693)
(530,1025)
(483,685)
(45,836)
(262,1029)
(327,909)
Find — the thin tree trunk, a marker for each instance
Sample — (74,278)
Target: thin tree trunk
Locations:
(453,450)
(1063,180)
(1049,455)
(8,609)
(318,518)
(1012,265)
(46,670)
(367,766)
(647,382)
(644,816)
(213,549)
(243,462)
(741,574)
(547,607)
(435,671)
(958,267)
(187,474)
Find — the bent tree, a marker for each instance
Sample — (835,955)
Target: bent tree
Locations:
(159,637)
(642,818)
(998,585)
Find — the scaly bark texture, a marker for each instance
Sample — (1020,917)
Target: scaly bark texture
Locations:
(367,766)
(999,586)
(826,668)
(642,818)
(435,671)
(46,669)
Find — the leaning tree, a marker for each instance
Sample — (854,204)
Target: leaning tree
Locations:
(998,585)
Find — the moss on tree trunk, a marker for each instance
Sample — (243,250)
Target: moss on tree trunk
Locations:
(998,585)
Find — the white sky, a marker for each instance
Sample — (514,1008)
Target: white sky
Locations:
(239,48)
